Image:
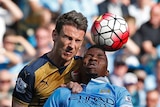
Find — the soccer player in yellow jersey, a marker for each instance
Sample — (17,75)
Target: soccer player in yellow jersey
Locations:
(38,79)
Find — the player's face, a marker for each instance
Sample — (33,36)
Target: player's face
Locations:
(95,62)
(68,42)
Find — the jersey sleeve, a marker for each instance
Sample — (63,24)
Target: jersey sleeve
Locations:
(59,98)
(24,88)
(123,98)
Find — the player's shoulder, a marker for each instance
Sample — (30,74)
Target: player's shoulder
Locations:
(34,65)
(123,96)
(119,89)
(28,71)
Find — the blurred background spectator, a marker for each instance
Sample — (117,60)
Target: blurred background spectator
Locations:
(36,13)
(150,32)
(6,101)
(152,99)
(120,69)
(134,42)
(43,41)
(138,9)
(141,76)
(157,74)
(113,6)
(9,14)
(6,84)
(130,82)
(16,51)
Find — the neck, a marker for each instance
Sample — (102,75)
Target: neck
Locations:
(57,60)
(85,78)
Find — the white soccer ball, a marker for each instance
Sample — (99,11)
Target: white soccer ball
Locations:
(110,31)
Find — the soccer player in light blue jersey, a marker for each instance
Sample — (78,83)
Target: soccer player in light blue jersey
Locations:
(98,92)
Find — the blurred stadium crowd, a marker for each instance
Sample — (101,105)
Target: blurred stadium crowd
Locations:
(26,33)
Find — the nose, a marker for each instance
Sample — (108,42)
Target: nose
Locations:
(71,44)
(94,57)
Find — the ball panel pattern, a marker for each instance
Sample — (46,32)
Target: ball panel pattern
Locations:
(110,31)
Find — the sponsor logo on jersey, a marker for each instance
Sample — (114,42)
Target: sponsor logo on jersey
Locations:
(21,86)
(26,74)
(128,98)
(45,82)
(93,101)
(105,91)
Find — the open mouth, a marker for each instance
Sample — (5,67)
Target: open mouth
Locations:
(68,53)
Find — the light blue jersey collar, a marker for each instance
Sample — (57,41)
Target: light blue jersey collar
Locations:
(101,80)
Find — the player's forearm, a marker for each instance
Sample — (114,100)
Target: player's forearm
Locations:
(13,9)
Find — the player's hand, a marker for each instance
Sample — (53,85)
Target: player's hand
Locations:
(74,86)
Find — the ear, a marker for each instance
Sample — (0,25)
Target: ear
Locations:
(107,73)
(54,35)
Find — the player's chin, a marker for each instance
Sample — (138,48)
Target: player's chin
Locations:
(91,71)
(67,57)
(92,75)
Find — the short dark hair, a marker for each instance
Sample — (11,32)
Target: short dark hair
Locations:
(97,46)
(72,18)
